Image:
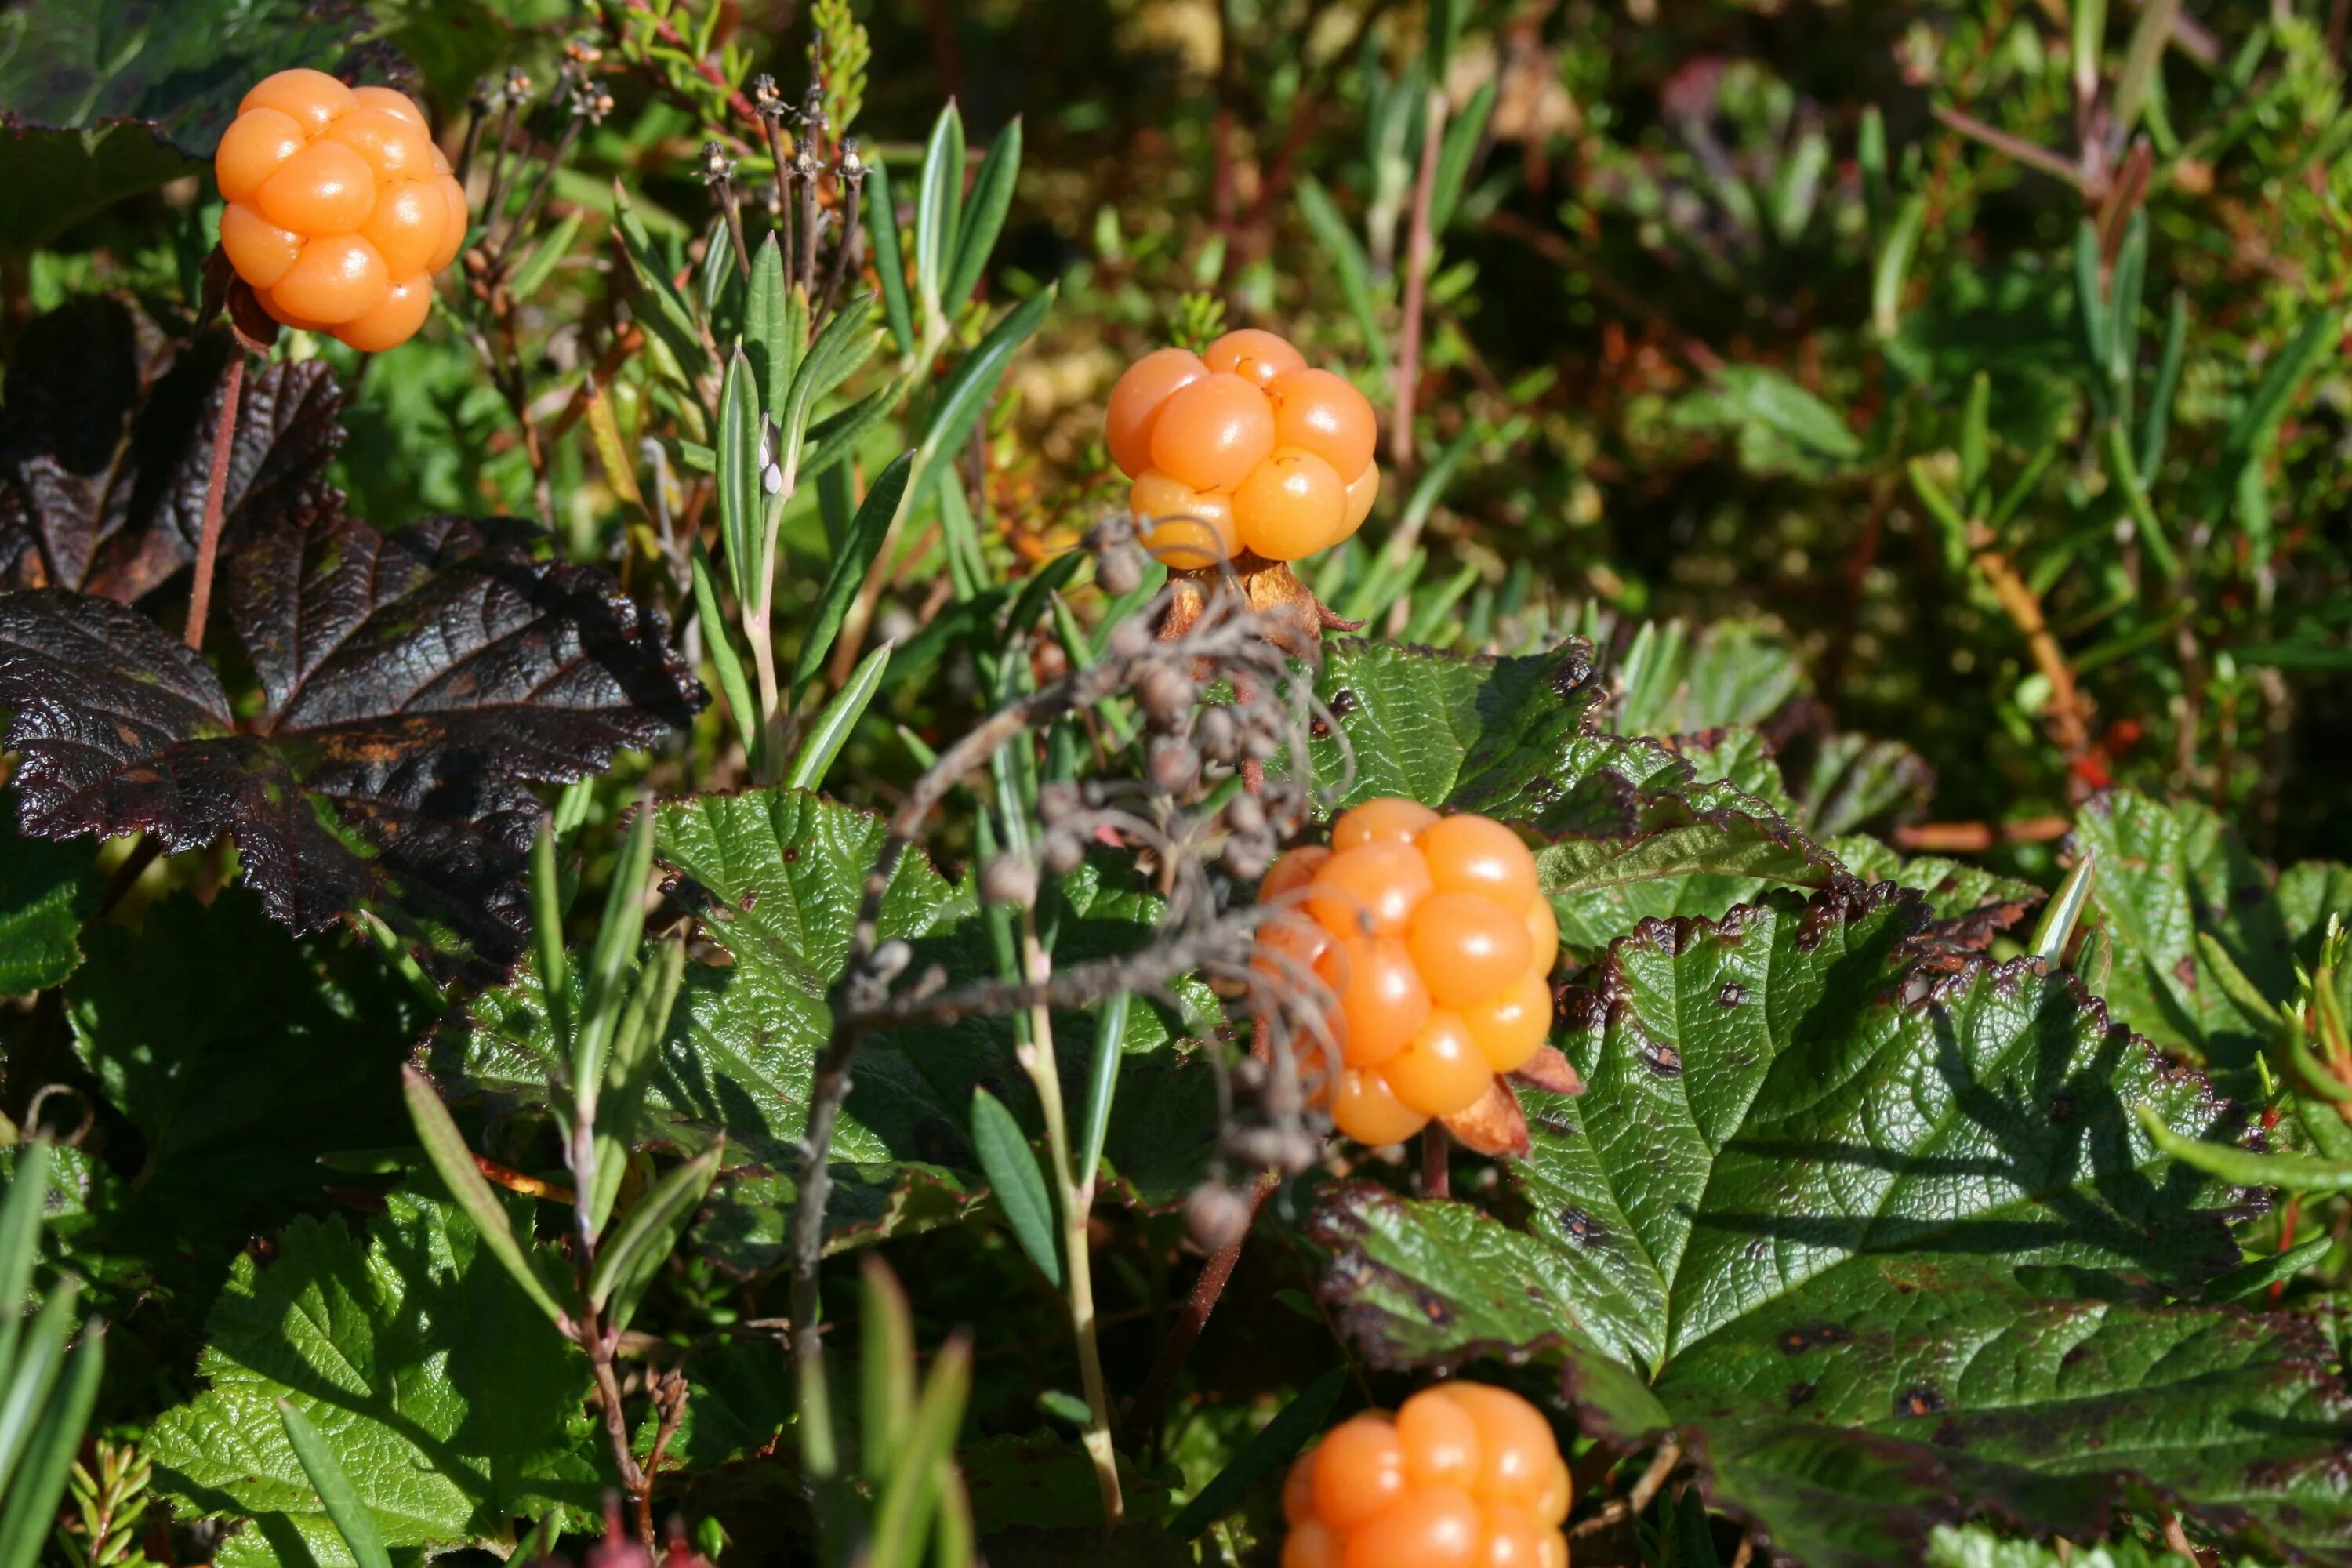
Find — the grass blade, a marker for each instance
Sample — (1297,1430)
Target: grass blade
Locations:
(20,1244)
(903,1512)
(885,1369)
(337,1496)
(32,1502)
(43,1355)
(1354,268)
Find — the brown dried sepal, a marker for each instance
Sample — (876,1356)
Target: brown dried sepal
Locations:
(1495,1126)
(1296,619)
(1550,1070)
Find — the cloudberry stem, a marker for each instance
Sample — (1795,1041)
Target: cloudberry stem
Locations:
(200,598)
(1045,1073)
(1436,1174)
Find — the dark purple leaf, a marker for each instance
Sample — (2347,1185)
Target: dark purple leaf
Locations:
(412,683)
(106,443)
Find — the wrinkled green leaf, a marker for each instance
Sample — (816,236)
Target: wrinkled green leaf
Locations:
(1883,1243)
(47,890)
(2166,875)
(431,1377)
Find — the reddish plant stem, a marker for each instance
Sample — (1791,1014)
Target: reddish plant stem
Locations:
(2287,1224)
(708,72)
(1436,1172)
(200,598)
(1143,1416)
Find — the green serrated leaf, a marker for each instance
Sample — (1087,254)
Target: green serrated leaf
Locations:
(47,890)
(2166,875)
(1877,1242)
(426,1371)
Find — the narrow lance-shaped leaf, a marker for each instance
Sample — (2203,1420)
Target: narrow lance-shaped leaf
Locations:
(20,1245)
(38,1488)
(885,1369)
(938,204)
(767,338)
(1462,134)
(672,319)
(2058,921)
(904,1511)
(1011,1169)
(838,350)
(343,1509)
(2289,1172)
(982,218)
(37,1369)
(454,1163)
(1102,1086)
(741,502)
(834,440)
(867,532)
(647,1233)
(965,393)
(889,257)
(838,721)
(546,256)
(635,1046)
(609,961)
(546,930)
(718,639)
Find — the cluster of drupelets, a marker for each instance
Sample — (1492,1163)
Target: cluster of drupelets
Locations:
(1435,944)
(1242,449)
(1463,1475)
(341,208)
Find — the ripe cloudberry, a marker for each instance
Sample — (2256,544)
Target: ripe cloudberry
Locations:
(1435,943)
(340,207)
(1464,1475)
(1242,446)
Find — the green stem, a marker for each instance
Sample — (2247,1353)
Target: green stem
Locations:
(1076,1201)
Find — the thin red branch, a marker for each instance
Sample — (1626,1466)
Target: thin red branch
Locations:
(200,598)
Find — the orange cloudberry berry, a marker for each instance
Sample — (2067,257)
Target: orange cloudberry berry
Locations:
(1433,946)
(341,208)
(1249,435)
(1465,1476)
